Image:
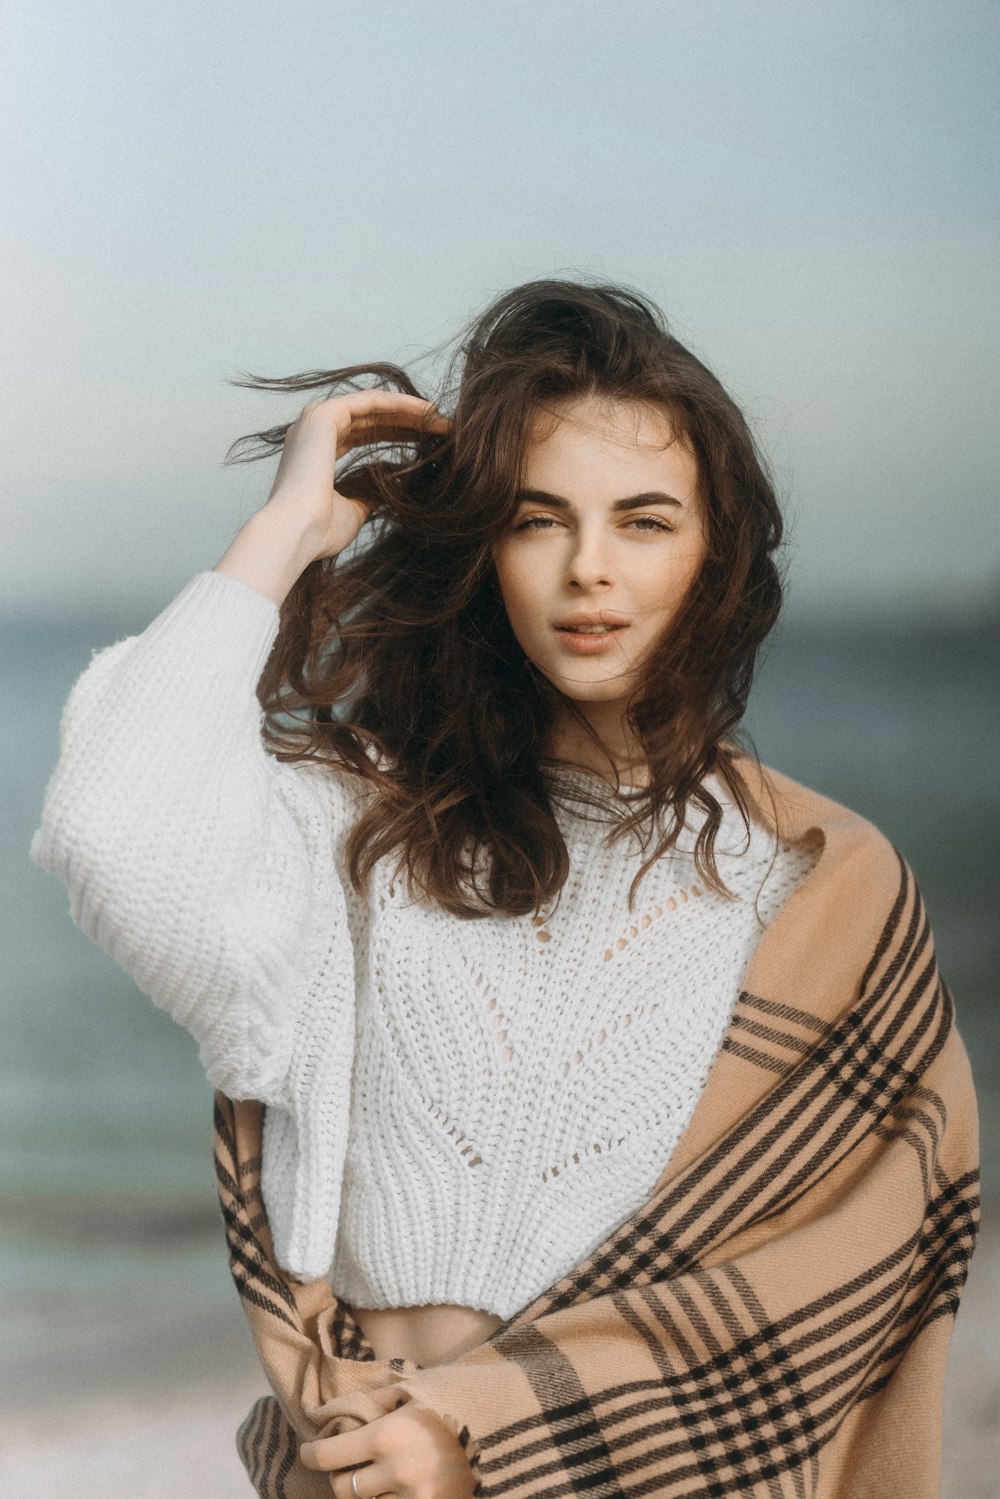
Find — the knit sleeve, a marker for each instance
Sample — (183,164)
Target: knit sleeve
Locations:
(192,856)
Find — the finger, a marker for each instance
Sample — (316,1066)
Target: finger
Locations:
(371,439)
(385,408)
(390,1397)
(371,399)
(388,429)
(373,1480)
(348,1450)
(390,426)
(378,403)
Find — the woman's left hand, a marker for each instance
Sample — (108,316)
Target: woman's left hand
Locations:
(410,1452)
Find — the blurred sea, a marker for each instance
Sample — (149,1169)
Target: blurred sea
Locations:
(109,1234)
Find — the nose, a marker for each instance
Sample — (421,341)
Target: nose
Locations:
(588,564)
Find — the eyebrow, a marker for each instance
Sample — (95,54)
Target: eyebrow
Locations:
(631,502)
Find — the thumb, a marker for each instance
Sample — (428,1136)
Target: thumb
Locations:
(390,1398)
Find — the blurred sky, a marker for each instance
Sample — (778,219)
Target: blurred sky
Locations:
(196,189)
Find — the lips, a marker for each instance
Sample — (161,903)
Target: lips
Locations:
(589,634)
(589,629)
(582,621)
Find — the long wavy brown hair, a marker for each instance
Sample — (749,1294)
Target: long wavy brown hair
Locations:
(396,662)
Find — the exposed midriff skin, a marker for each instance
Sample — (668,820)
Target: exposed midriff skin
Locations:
(431,1334)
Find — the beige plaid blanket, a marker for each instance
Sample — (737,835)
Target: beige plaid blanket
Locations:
(775,1320)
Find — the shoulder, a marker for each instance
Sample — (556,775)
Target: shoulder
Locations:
(792,811)
(857,862)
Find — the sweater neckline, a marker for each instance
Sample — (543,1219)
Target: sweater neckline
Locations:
(576,775)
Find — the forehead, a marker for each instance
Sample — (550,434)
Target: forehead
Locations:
(595,436)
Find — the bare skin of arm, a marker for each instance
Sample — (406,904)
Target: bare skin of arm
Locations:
(305,517)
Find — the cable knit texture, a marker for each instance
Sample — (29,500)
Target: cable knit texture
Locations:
(458,1111)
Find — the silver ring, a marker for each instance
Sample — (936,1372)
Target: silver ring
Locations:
(354,1483)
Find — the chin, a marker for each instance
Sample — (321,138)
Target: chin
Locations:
(587,692)
(595,694)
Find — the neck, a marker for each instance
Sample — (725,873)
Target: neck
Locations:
(610,749)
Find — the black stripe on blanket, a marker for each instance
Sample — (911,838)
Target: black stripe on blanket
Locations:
(741,1415)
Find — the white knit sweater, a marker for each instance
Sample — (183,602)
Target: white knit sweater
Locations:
(458,1111)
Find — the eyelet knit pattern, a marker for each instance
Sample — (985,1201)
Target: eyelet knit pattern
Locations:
(458,1111)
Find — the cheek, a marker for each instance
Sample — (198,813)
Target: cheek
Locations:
(663,589)
(517,583)
(689,559)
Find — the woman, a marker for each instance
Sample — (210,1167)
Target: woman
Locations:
(475,926)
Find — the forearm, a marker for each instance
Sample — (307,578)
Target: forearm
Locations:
(272,549)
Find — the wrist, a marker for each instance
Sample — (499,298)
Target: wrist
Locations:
(271,550)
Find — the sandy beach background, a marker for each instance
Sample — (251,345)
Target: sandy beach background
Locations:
(125,1362)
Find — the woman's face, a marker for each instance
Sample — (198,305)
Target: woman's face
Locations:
(609,527)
